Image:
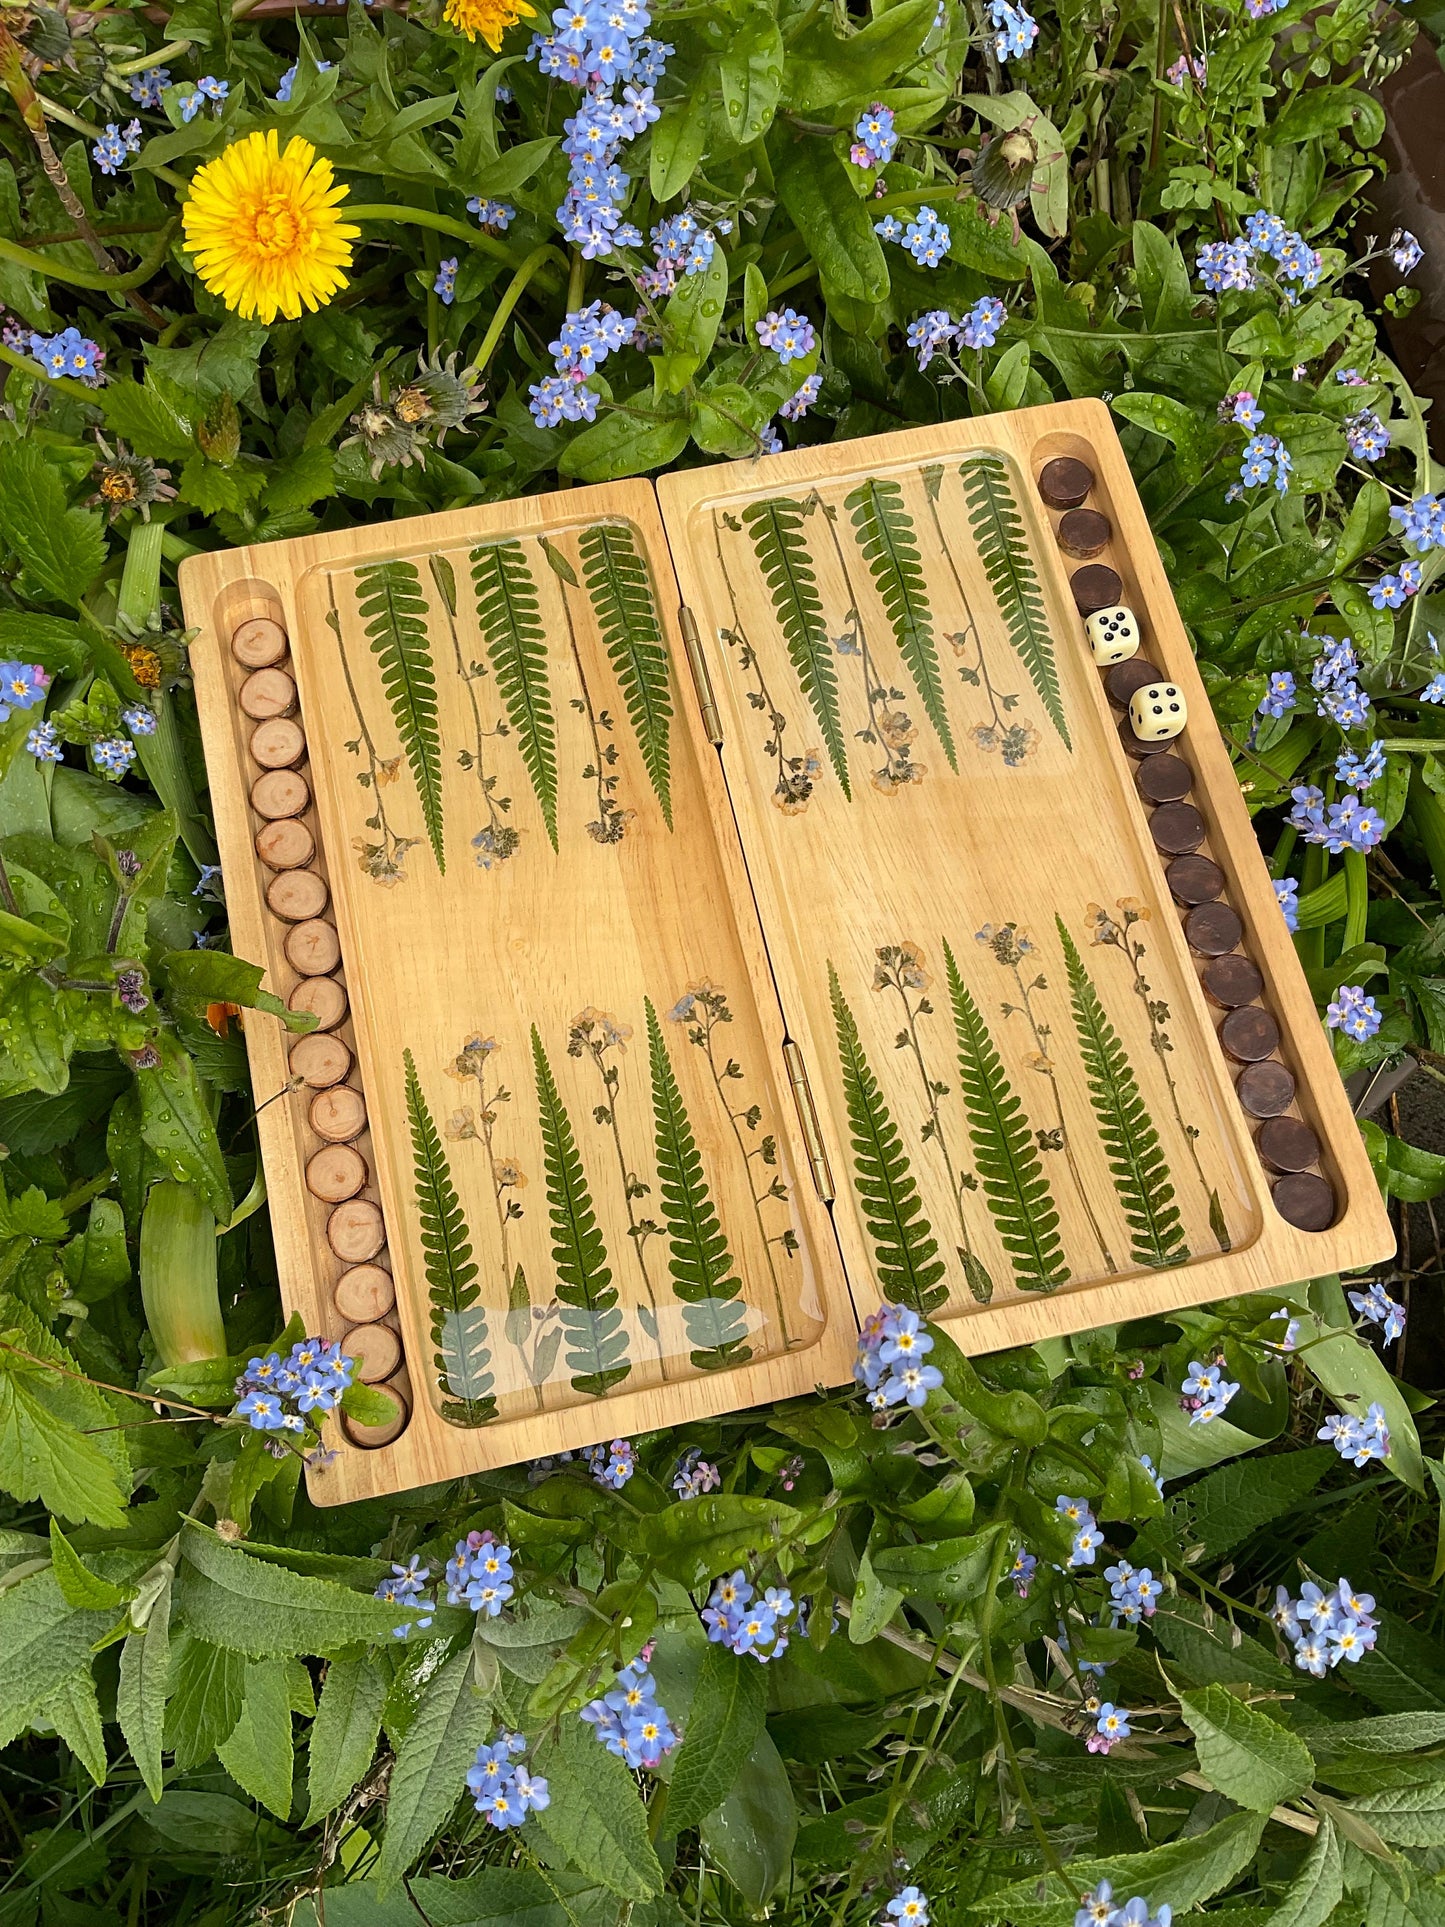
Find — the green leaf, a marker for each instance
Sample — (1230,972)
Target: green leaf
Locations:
(82,1588)
(874,1604)
(1316,111)
(998,533)
(303,478)
(36,1022)
(1005,1152)
(44,1416)
(678,140)
(394,612)
(74,1711)
(43,1642)
(1246,1756)
(140,1701)
(696,1538)
(1222,1510)
(61,549)
(259,1753)
(150,418)
(905,1251)
(206,1702)
(1126,1132)
(1354,1375)
(819,196)
(690,323)
(458,1315)
(265,1612)
(1318,1887)
(624,607)
(727,1716)
(752,1834)
(97,1262)
(776,529)
(1407,1816)
(750,69)
(1161,277)
(429,1777)
(700,1264)
(1162,415)
(641,433)
(886,536)
(826,67)
(214,977)
(511,621)
(953,1570)
(175,1121)
(583,1278)
(596,1816)
(1190,1871)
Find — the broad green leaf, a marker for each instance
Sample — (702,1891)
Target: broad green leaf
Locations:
(39,1030)
(206,1703)
(343,1740)
(699,1538)
(83,1589)
(175,1121)
(1162,279)
(491,1897)
(1389,1733)
(751,1835)
(818,194)
(140,1703)
(596,1816)
(728,1709)
(1315,111)
(678,140)
(1221,1511)
(259,1753)
(750,68)
(1407,1816)
(43,1641)
(44,1418)
(96,1263)
(638,435)
(264,1611)
(1164,416)
(1316,1890)
(450,1723)
(826,67)
(60,549)
(1248,1757)
(944,1569)
(214,977)
(1354,1375)
(1405,1670)
(1190,1871)
(74,1711)
(690,322)
(149,419)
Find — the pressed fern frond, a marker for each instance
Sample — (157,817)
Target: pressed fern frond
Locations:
(1131,1144)
(1004,1152)
(998,534)
(776,529)
(884,529)
(594,1332)
(620,589)
(905,1252)
(458,1318)
(393,610)
(511,620)
(700,1265)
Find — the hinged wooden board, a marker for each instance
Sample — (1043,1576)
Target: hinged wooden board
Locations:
(637,935)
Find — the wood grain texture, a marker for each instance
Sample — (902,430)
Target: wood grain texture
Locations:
(918,750)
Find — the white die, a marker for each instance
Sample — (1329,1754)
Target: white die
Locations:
(1157,712)
(1113,635)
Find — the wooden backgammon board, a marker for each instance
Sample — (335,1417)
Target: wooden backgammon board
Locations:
(723,905)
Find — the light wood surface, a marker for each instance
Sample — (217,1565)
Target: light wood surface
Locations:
(448,969)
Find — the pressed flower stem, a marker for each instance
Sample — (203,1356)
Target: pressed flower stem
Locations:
(511,295)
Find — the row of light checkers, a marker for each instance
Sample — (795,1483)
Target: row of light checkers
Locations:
(1156,714)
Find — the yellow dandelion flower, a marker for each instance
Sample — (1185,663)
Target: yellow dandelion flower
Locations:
(264,228)
(489,18)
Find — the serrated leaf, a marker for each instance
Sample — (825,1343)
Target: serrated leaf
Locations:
(1316,1890)
(74,1711)
(140,1701)
(1407,1816)
(429,1777)
(589,1316)
(1223,1509)
(885,534)
(147,418)
(511,622)
(775,528)
(44,1418)
(1246,1756)
(458,1317)
(620,588)
(263,1611)
(259,1753)
(394,613)
(206,1702)
(1190,1871)
(700,1265)
(343,1739)
(1126,1132)
(61,549)
(43,1641)
(905,1251)
(83,1589)
(1005,1151)
(596,1816)
(998,534)
(727,1716)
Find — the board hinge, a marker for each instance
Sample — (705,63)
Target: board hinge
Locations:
(808,1119)
(701,680)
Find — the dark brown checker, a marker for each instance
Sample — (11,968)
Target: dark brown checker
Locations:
(1233,982)
(1139,747)
(1095,586)
(1195,879)
(1249,1034)
(1164,779)
(1305,1201)
(1125,677)
(1085,533)
(1213,929)
(1287,1144)
(1265,1089)
(1177,829)
(1064,482)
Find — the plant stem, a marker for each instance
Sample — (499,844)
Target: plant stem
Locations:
(511,295)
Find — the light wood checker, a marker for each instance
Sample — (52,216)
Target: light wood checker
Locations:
(442,963)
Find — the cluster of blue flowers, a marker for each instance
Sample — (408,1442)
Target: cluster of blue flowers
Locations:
(1422,523)
(588,336)
(502,1786)
(113,756)
(206,88)
(1349,823)
(926,236)
(874,137)
(692,1476)
(146,88)
(1377,1307)
(1325,1627)
(44,743)
(22,686)
(745,1621)
(1265,457)
(611,1465)
(628,1720)
(788,334)
(495,216)
(892,1348)
(798,404)
(288,79)
(1087,1536)
(115,146)
(68,353)
(1133,1595)
(1339,697)
(278,1394)
(406,1586)
(1358,1439)
(1354,1013)
(1099,1908)
(1226,265)
(1015,30)
(1206,1392)
(1367,435)
(479,1574)
(1279,697)
(445,284)
(937,329)
(1286,891)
